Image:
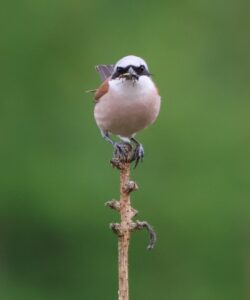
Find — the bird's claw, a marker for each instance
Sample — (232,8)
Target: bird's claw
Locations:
(138,154)
(122,151)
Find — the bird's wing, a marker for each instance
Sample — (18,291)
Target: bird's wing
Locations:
(104,71)
(102,90)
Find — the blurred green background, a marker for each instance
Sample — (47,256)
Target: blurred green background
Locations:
(55,173)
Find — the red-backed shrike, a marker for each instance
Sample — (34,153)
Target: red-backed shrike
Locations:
(126,102)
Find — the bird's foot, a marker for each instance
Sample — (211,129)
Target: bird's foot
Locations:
(138,154)
(122,152)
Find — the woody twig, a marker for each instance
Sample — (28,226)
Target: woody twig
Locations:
(127,213)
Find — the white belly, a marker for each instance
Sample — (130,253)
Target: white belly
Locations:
(128,108)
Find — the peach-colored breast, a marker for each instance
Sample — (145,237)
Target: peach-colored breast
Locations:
(126,109)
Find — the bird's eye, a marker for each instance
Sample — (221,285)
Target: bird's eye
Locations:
(142,68)
(120,69)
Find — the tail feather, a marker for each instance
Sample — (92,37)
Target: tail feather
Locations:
(104,71)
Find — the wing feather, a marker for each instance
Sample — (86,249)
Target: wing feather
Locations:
(102,90)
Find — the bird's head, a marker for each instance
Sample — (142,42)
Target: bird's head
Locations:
(130,68)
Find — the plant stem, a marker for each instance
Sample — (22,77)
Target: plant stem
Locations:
(127,225)
(124,237)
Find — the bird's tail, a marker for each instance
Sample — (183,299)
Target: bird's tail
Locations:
(104,71)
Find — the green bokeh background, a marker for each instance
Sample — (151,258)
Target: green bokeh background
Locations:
(55,176)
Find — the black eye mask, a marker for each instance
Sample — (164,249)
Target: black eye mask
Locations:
(141,70)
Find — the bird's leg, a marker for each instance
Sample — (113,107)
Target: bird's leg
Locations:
(106,137)
(138,152)
(120,149)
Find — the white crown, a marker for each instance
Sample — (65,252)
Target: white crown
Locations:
(131,60)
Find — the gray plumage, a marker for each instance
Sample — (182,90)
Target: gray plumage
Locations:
(104,71)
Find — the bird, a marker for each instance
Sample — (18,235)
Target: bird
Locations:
(126,102)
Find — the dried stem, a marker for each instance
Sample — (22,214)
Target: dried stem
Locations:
(124,237)
(127,225)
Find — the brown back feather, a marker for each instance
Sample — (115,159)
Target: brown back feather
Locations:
(102,90)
